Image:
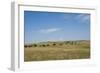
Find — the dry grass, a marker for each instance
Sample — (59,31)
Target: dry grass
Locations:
(80,50)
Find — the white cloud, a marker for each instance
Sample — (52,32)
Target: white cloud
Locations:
(49,30)
(83,17)
(79,17)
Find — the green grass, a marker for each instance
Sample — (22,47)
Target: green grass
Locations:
(81,50)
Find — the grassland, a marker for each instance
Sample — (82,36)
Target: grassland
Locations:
(59,50)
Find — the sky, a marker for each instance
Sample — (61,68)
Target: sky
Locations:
(55,26)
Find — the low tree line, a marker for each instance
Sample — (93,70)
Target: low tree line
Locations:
(53,44)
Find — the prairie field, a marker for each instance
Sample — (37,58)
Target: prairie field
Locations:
(58,50)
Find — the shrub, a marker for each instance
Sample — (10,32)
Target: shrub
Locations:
(35,45)
(54,44)
(48,45)
(43,45)
(30,46)
(25,46)
(67,42)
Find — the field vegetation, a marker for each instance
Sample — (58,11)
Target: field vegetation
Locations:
(57,50)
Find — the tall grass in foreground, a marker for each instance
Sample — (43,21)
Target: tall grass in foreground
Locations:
(57,51)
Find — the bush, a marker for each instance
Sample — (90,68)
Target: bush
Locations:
(48,45)
(43,45)
(54,44)
(67,42)
(35,45)
(30,46)
(25,46)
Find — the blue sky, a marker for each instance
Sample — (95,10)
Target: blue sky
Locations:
(55,26)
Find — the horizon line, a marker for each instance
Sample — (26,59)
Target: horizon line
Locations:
(54,41)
